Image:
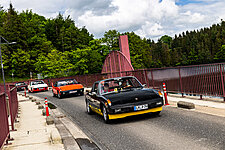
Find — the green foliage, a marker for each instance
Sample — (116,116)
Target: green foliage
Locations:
(20,62)
(111,38)
(37,41)
(220,55)
(55,64)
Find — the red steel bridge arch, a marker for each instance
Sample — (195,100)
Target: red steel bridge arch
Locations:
(117,63)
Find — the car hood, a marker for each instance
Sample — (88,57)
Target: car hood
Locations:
(39,85)
(71,87)
(131,96)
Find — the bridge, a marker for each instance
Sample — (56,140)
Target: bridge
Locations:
(202,80)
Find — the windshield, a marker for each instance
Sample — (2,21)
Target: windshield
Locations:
(67,82)
(118,85)
(20,83)
(37,82)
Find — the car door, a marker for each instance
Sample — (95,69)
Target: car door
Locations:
(54,88)
(93,95)
(97,98)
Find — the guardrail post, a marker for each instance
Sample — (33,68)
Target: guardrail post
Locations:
(146,78)
(181,88)
(152,79)
(222,81)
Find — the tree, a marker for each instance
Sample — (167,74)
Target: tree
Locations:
(111,38)
(220,55)
(55,64)
(20,63)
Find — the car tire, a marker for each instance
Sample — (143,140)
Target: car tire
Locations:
(105,115)
(81,93)
(88,108)
(59,96)
(53,94)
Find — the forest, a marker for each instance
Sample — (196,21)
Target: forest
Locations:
(56,47)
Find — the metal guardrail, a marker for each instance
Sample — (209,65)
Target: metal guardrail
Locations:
(4,125)
(205,80)
(13,105)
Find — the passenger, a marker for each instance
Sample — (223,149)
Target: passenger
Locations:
(106,87)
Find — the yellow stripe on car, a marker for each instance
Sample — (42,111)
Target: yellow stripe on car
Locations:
(117,116)
(96,110)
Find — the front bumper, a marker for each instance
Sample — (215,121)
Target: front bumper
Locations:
(123,115)
(124,110)
(72,91)
(40,89)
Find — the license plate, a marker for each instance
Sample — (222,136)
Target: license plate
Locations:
(41,88)
(73,91)
(141,107)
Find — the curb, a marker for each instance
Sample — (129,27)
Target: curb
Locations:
(73,137)
(55,137)
(187,105)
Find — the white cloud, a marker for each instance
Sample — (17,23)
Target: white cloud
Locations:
(140,17)
(148,18)
(150,29)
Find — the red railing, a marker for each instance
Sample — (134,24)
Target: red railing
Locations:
(199,79)
(13,105)
(4,125)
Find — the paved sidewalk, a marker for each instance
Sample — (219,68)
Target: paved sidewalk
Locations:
(211,106)
(32,130)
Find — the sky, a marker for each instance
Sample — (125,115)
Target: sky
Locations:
(147,18)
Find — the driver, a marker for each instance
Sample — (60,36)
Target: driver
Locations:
(124,84)
(106,87)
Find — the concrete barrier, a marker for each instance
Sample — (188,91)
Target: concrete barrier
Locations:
(44,112)
(37,102)
(40,106)
(186,105)
(49,120)
(55,137)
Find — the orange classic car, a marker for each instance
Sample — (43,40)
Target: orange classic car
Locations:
(66,87)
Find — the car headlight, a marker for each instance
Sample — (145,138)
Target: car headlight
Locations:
(158,93)
(109,102)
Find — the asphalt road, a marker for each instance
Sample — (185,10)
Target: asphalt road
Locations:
(174,129)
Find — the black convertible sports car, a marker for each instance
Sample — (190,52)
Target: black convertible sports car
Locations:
(121,97)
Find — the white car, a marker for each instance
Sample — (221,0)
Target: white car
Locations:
(38,85)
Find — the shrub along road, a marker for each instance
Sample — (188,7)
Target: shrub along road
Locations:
(174,129)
